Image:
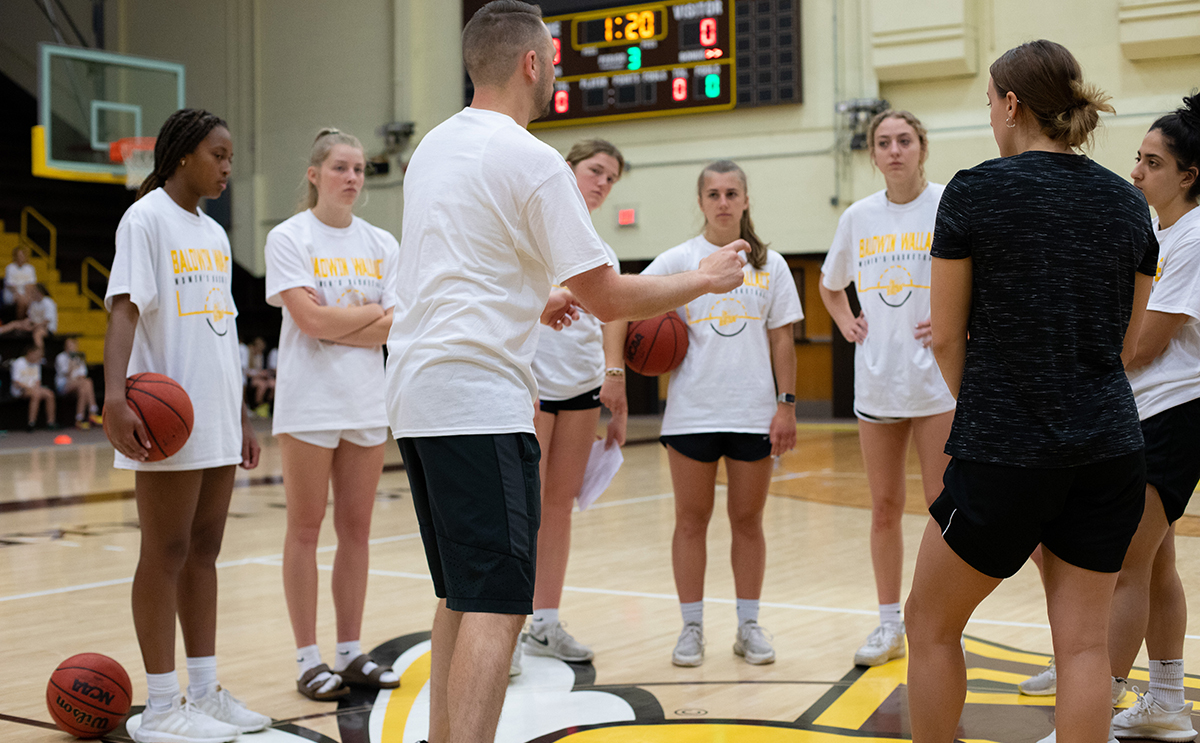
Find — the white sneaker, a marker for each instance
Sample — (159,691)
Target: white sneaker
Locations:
(514,666)
(220,705)
(689,651)
(1147,719)
(1118,690)
(1042,684)
(885,643)
(555,642)
(182,723)
(1054,736)
(753,644)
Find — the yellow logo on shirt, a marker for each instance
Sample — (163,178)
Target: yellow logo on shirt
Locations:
(913,241)
(325,268)
(199,259)
(215,306)
(727,317)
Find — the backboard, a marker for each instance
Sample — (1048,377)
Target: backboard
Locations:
(88,99)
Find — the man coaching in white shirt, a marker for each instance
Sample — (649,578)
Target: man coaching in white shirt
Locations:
(493,217)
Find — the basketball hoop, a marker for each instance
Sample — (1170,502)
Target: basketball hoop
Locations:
(137,155)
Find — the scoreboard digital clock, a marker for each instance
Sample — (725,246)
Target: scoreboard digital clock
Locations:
(616,62)
(672,56)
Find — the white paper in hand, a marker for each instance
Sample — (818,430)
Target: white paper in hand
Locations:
(602,467)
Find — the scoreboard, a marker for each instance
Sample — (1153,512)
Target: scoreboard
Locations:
(673,56)
(617,62)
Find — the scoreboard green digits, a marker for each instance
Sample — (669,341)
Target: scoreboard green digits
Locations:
(637,61)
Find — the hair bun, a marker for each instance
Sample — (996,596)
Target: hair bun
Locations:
(1189,112)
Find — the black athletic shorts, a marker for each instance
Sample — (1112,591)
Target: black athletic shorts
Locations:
(1173,455)
(478,503)
(709,447)
(587,401)
(993,516)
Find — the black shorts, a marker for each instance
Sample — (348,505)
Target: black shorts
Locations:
(709,447)
(993,516)
(1173,455)
(478,503)
(589,400)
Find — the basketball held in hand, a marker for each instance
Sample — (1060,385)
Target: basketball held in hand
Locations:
(656,345)
(165,410)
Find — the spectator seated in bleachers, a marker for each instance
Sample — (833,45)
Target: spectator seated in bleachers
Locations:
(259,368)
(19,278)
(27,384)
(41,318)
(71,378)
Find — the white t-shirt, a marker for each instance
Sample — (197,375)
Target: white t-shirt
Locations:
(17,278)
(1173,378)
(725,382)
(322,386)
(884,249)
(569,362)
(25,373)
(177,267)
(44,311)
(492,217)
(67,368)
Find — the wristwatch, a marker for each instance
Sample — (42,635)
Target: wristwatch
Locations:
(786,398)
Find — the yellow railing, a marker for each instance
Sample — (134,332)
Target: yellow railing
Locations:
(50,255)
(84,287)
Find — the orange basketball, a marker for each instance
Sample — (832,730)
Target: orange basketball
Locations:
(656,345)
(89,695)
(165,409)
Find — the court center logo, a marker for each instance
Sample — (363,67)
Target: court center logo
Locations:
(553,701)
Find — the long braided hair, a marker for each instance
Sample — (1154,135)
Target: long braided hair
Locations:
(181,133)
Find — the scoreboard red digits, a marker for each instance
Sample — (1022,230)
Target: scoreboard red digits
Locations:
(635,61)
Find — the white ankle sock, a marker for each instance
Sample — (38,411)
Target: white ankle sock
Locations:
(346,653)
(543,619)
(202,676)
(1166,683)
(890,614)
(161,690)
(307,657)
(693,613)
(747,611)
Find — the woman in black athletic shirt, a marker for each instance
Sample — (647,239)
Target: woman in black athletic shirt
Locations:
(1042,265)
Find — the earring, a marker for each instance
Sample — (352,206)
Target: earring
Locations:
(182,161)
(1010,123)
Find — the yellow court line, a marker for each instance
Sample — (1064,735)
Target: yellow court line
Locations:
(856,705)
(401,701)
(710,733)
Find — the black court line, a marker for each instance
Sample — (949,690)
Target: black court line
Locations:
(27,721)
(735,682)
(366,708)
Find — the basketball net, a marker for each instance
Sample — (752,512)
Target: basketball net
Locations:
(137,155)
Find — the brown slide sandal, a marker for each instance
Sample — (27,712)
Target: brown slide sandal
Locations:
(353,674)
(309,688)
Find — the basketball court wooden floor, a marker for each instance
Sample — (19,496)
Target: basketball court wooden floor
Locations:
(68,547)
